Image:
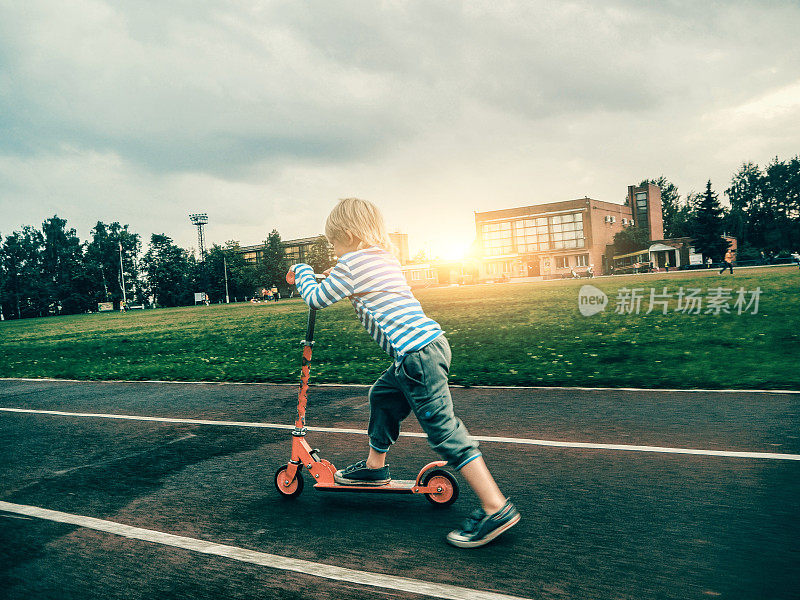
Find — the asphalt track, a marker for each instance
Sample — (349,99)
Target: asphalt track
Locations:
(99,507)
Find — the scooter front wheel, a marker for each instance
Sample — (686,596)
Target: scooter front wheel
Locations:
(288,489)
(446,485)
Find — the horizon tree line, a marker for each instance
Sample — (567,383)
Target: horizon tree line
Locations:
(51,271)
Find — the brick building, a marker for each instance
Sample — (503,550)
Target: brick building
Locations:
(421,274)
(550,240)
(400,241)
(297,250)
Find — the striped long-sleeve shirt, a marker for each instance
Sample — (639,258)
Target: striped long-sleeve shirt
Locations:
(373,281)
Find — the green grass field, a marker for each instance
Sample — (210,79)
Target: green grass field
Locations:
(504,334)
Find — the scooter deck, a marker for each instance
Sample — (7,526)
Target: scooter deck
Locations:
(396,486)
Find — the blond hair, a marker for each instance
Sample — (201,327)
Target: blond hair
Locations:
(362,219)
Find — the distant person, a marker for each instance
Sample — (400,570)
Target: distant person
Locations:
(666,264)
(708,262)
(275,294)
(727,262)
(370,277)
(590,271)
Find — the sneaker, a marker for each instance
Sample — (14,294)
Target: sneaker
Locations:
(359,474)
(480,528)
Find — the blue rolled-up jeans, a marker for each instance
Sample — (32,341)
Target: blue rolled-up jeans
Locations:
(419,384)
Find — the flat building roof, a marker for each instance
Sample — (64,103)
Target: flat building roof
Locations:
(547,208)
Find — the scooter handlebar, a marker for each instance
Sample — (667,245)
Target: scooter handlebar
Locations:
(290,277)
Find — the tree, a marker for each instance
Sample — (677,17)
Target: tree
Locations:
(131,249)
(4,304)
(683,224)
(631,239)
(421,257)
(709,226)
(780,216)
(241,274)
(168,268)
(765,206)
(744,194)
(320,255)
(103,263)
(23,291)
(273,267)
(66,283)
(99,264)
(216,269)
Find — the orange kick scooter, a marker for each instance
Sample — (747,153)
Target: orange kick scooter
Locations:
(437,485)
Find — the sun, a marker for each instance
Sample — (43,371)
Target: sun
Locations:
(451,249)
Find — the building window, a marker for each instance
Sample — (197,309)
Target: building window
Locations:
(581,260)
(641,201)
(429,274)
(533,234)
(416,275)
(498,239)
(562,262)
(292,253)
(566,231)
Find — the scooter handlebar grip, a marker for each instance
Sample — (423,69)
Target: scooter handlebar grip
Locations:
(290,277)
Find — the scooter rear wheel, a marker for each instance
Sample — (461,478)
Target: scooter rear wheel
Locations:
(292,489)
(446,484)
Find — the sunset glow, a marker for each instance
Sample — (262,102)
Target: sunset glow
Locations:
(450,248)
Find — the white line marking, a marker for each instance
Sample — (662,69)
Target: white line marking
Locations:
(379,580)
(481,438)
(629,389)
(367,385)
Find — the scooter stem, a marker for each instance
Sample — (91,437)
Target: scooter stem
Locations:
(312,318)
(302,398)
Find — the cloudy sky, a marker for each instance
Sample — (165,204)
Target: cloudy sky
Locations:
(262,114)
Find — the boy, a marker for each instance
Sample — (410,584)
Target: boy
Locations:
(368,274)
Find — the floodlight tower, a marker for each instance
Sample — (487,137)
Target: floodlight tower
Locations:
(199,220)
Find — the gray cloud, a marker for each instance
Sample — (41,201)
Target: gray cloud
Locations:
(285,102)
